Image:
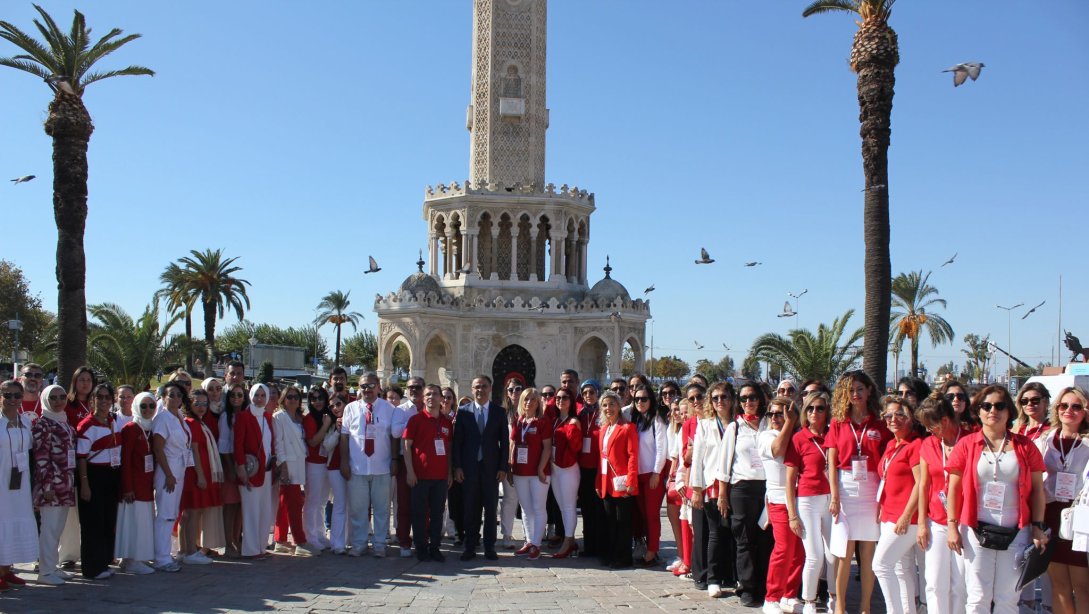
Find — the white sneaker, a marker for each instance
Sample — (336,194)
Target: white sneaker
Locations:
(771,607)
(406,552)
(673,564)
(139,568)
(831,603)
(282,548)
(809,608)
(62,574)
(170,567)
(789,605)
(307,550)
(197,558)
(714,591)
(50,579)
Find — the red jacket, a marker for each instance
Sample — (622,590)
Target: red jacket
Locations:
(963,460)
(622,454)
(247,440)
(135,449)
(567,443)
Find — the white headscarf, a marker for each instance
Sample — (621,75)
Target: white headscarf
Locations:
(257,409)
(137,415)
(218,407)
(47,410)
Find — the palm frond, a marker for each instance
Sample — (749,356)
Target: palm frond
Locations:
(25,66)
(124,72)
(22,40)
(831,6)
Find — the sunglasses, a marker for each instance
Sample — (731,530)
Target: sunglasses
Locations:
(695,399)
(642,399)
(34,375)
(414,387)
(670,393)
(13,395)
(786,391)
(896,416)
(745,398)
(1070,406)
(956,396)
(173,395)
(367,386)
(147,406)
(618,388)
(200,403)
(816,409)
(562,397)
(516,389)
(775,414)
(720,398)
(988,406)
(548,395)
(1031,400)
(291,397)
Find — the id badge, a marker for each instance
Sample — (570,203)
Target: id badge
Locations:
(440,447)
(942,498)
(880,489)
(115,457)
(149,464)
(604,465)
(71,459)
(585,445)
(22,462)
(754,458)
(189,459)
(860,470)
(1065,484)
(993,495)
(521,455)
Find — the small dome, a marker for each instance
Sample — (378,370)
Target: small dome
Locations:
(420,281)
(608,288)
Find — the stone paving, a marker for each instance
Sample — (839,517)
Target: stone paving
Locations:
(331,583)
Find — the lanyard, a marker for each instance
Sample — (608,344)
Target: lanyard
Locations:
(858,437)
(721,429)
(523,428)
(11,447)
(818,446)
(1063,452)
(888,461)
(945,455)
(997,455)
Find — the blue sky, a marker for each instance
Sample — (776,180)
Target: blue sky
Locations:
(299,137)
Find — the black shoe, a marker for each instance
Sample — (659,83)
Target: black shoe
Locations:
(746,600)
(491,555)
(621,565)
(468,555)
(458,541)
(423,557)
(68,565)
(701,585)
(437,556)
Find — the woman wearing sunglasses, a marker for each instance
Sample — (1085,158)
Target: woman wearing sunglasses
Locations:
(897,498)
(943,568)
(54,484)
(201,522)
(785,566)
(171,445)
(98,441)
(807,494)
(235,404)
(291,452)
(566,445)
(957,394)
(1066,454)
(1033,401)
(712,542)
(996,493)
(338,520)
(317,423)
(649,420)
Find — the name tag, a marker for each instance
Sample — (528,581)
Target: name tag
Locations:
(1065,485)
(942,497)
(585,445)
(115,457)
(604,465)
(440,447)
(860,468)
(880,489)
(994,493)
(22,462)
(189,458)
(521,456)
(71,459)
(149,463)
(754,458)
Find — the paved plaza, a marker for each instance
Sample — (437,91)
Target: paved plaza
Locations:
(331,583)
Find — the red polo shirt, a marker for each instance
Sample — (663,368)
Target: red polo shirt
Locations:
(808,454)
(899,481)
(846,437)
(527,442)
(590,451)
(423,431)
(930,450)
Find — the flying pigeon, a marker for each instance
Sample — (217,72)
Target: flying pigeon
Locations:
(1029,312)
(23,179)
(374,266)
(788,311)
(61,83)
(698,345)
(753,263)
(725,347)
(961,72)
(950,261)
(649,290)
(705,258)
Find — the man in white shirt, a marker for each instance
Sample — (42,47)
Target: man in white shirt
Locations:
(369,438)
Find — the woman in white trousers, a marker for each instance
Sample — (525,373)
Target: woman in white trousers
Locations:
(171,445)
(54,485)
(253,437)
(566,444)
(317,424)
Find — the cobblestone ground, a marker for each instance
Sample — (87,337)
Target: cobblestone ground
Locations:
(332,583)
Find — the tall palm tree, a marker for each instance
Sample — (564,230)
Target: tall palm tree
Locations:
(179,292)
(912,296)
(212,279)
(824,356)
(333,309)
(874,56)
(65,62)
(131,351)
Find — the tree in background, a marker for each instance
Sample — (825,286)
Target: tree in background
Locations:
(978,354)
(333,309)
(716,371)
(362,349)
(128,351)
(913,301)
(178,291)
(669,367)
(16,302)
(212,279)
(750,369)
(236,339)
(824,355)
(64,61)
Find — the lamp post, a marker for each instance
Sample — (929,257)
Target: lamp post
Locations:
(1009,339)
(253,346)
(797,303)
(17,326)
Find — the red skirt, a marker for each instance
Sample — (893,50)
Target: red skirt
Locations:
(194,497)
(1063,552)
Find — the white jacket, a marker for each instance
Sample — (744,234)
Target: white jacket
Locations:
(290,446)
(706,451)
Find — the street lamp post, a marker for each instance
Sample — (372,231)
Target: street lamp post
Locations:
(1009,340)
(797,303)
(253,346)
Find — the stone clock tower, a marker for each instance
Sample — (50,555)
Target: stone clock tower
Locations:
(505,292)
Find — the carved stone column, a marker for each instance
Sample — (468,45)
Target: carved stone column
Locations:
(558,243)
(433,254)
(514,232)
(533,276)
(448,253)
(582,261)
(495,252)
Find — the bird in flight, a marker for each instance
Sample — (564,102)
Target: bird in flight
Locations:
(1029,312)
(374,266)
(705,258)
(950,261)
(961,72)
(23,179)
(788,311)
(649,290)
(699,346)
(754,263)
(725,347)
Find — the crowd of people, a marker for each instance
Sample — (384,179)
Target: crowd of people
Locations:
(771,494)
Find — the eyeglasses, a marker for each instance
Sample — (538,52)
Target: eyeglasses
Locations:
(1031,400)
(642,399)
(237,395)
(367,386)
(147,406)
(200,403)
(104,397)
(816,409)
(291,397)
(695,398)
(988,406)
(956,396)
(720,398)
(618,388)
(548,395)
(13,395)
(57,397)
(896,416)
(745,398)
(670,393)
(775,414)
(414,387)
(515,389)
(562,397)
(34,375)
(1070,406)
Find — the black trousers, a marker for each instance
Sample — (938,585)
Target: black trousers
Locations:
(618,514)
(428,501)
(480,493)
(98,519)
(699,546)
(753,543)
(714,545)
(593,514)
(456,503)
(555,518)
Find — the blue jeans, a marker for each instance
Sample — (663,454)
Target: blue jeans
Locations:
(368,492)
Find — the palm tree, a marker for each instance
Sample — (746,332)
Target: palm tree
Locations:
(333,309)
(65,62)
(874,56)
(131,351)
(212,279)
(179,292)
(912,296)
(824,356)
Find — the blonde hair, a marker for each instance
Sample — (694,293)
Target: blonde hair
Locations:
(527,394)
(1083,429)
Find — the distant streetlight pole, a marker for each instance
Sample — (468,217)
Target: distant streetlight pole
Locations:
(797,303)
(253,346)
(1009,340)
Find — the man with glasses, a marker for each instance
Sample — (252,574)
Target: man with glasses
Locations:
(31,377)
(412,404)
(913,389)
(371,430)
(620,387)
(481,460)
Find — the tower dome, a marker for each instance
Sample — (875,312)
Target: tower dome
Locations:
(608,288)
(420,282)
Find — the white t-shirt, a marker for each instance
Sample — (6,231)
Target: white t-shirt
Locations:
(177,435)
(747,462)
(774,469)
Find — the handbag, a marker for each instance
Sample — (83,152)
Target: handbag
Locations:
(994,537)
(1075,518)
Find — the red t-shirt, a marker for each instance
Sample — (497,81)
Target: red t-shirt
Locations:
(566,443)
(930,450)
(314,454)
(135,458)
(527,445)
(32,406)
(590,452)
(846,437)
(898,479)
(808,455)
(76,412)
(430,460)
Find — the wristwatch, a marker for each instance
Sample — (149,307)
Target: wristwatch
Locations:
(1040,525)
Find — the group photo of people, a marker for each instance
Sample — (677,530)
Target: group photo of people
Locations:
(777,496)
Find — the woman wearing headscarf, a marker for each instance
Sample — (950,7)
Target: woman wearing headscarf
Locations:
(54,483)
(171,446)
(18,534)
(98,450)
(254,454)
(214,389)
(201,512)
(135,540)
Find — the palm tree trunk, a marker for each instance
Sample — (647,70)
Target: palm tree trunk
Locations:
(915,358)
(875,47)
(337,362)
(70,125)
(209,333)
(189,338)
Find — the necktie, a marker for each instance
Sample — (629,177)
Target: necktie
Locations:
(481,417)
(368,439)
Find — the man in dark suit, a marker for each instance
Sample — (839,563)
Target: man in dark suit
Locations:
(481,458)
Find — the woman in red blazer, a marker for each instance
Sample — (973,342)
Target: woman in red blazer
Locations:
(253,439)
(618,480)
